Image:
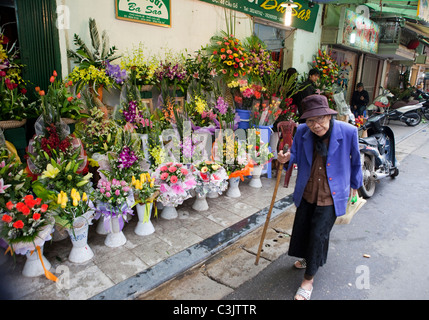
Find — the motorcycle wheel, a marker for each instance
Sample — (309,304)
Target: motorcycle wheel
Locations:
(368,187)
(413,119)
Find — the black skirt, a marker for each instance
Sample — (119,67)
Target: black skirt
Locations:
(310,234)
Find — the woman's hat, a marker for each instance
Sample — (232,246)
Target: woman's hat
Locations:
(316,105)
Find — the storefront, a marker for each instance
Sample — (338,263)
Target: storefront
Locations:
(354,39)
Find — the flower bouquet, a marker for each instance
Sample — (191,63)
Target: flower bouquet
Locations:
(145,193)
(125,157)
(59,98)
(144,66)
(13,108)
(259,154)
(232,155)
(200,71)
(260,61)
(14,182)
(200,114)
(265,114)
(329,72)
(91,69)
(210,177)
(75,213)
(175,183)
(61,175)
(229,57)
(114,201)
(171,73)
(25,226)
(226,116)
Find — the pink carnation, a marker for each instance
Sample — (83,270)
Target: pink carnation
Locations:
(172,169)
(173,179)
(184,171)
(163,169)
(164,176)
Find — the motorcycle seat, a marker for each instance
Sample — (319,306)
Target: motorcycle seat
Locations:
(372,141)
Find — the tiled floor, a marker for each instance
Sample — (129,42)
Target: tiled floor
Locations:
(111,266)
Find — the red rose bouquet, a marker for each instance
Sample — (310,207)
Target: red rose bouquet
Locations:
(26,224)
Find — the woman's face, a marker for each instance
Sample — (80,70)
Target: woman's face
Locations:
(319,125)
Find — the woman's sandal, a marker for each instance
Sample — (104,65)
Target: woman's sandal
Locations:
(306,294)
(302,264)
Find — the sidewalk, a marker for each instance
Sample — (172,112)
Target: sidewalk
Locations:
(184,258)
(223,273)
(144,263)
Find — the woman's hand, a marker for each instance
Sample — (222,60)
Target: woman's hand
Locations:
(283,158)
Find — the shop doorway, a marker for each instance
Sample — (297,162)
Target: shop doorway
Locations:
(370,76)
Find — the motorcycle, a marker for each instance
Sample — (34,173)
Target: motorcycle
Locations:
(377,154)
(380,103)
(410,113)
(423,97)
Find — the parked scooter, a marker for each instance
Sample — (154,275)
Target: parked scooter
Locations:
(423,97)
(377,154)
(409,112)
(380,103)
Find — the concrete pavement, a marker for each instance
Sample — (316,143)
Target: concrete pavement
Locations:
(220,275)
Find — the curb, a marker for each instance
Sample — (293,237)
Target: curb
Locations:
(173,266)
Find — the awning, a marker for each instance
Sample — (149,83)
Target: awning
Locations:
(399,8)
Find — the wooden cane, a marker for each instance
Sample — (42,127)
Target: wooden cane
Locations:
(273,200)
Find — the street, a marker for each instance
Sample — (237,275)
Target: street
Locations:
(381,254)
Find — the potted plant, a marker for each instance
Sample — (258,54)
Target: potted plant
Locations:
(91,64)
(26,225)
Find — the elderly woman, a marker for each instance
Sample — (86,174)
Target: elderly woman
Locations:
(329,172)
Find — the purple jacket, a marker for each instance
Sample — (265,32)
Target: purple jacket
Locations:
(343,165)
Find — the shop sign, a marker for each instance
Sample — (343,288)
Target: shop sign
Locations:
(156,12)
(358,32)
(303,17)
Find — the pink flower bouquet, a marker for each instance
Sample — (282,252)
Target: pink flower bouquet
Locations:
(210,177)
(114,199)
(175,182)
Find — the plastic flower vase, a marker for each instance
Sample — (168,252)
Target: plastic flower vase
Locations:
(200,203)
(234,189)
(33,265)
(115,238)
(81,252)
(144,226)
(169,213)
(255,182)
